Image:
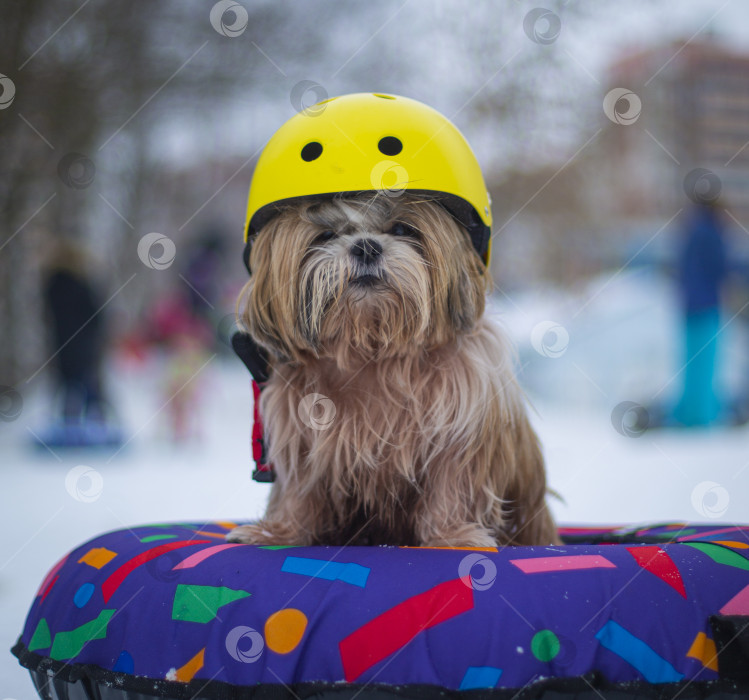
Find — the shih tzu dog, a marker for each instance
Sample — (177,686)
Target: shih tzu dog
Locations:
(392,414)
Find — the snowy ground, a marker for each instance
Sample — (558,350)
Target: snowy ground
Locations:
(618,347)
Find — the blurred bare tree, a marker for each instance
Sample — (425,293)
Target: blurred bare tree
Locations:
(118,83)
(95,79)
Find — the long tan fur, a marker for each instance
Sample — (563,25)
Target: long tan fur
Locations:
(392,414)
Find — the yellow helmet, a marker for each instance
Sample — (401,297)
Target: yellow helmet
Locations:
(369,142)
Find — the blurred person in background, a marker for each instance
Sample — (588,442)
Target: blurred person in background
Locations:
(184,340)
(204,272)
(78,339)
(701,274)
(176,332)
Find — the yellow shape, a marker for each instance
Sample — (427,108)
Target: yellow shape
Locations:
(732,543)
(217,535)
(185,673)
(226,524)
(97,557)
(703,649)
(284,630)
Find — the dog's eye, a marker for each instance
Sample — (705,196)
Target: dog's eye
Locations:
(325,236)
(400,229)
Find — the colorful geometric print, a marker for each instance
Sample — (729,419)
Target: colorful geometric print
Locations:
(176,603)
(655,560)
(396,627)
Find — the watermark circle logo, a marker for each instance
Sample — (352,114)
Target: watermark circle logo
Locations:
(11,404)
(84,483)
(630,419)
(567,654)
(76,170)
(245,644)
(542,26)
(710,499)
(7,91)
(550,339)
(389,178)
(702,186)
(622,106)
(487,567)
(161,568)
(165,251)
(237,18)
(316,411)
(309,98)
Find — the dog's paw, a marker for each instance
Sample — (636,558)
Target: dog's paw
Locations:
(250,534)
(463,536)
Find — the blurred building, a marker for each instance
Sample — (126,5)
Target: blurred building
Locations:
(694,105)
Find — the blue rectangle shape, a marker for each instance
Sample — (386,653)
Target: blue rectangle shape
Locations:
(355,574)
(635,652)
(480,677)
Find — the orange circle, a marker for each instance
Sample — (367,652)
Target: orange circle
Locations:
(284,630)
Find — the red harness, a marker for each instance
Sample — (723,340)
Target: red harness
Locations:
(263,470)
(256,361)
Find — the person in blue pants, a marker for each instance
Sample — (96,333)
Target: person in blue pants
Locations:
(701,273)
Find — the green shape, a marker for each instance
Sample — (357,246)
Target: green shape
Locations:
(674,534)
(720,554)
(278,546)
(545,645)
(69,644)
(153,538)
(42,638)
(201,603)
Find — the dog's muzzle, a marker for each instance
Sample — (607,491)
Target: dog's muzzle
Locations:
(366,251)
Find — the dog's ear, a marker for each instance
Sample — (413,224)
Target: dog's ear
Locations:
(466,289)
(461,303)
(263,303)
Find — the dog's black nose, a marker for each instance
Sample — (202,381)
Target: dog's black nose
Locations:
(367,250)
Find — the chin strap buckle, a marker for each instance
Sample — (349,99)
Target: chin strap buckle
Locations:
(266,475)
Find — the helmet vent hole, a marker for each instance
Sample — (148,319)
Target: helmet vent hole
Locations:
(384,97)
(390,146)
(312,151)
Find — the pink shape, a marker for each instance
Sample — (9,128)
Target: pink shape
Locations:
(195,559)
(738,605)
(51,577)
(588,530)
(539,565)
(720,531)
